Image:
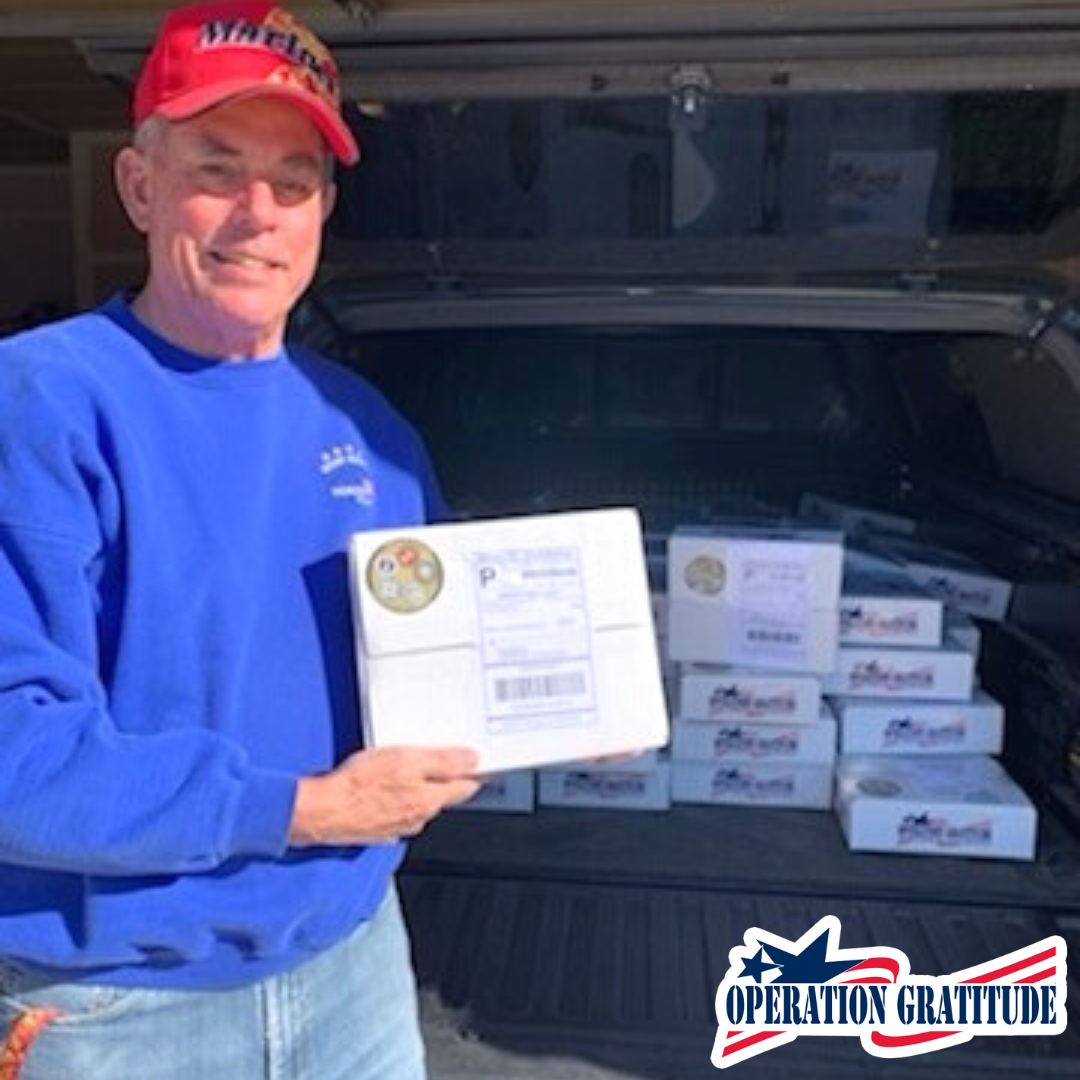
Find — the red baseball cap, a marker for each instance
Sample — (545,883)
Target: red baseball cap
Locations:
(210,53)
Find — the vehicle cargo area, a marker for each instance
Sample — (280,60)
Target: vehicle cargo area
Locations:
(763,310)
(589,942)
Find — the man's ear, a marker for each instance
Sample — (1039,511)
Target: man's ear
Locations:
(131,172)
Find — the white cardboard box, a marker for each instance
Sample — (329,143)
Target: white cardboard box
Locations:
(529,639)
(754,597)
(943,674)
(920,727)
(964,630)
(852,518)
(609,788)
(888,609)
(723,741)
(963,805)
(859,559)
(509,792)
(658,600)
(716,693)
(807,787)
(957,579)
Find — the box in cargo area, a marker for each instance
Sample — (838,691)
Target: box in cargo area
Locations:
(946,673)
(852,518)
(964,805)
(646,761)
(888,609)
(805,641)
(659,603)
(611,787)
(768,783)
(958,579)
(722,741)
(718,693)
(920,727)
(859,559)
(964,630)
(754,597)
(509,792)
(529,639)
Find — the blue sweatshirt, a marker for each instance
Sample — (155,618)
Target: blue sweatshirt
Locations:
(176,649)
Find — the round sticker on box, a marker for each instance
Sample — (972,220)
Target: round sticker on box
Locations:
(705,574)
(404,575)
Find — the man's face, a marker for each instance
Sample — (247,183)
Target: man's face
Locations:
(233,207)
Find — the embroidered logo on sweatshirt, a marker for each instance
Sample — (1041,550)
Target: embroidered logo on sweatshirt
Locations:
(347,474)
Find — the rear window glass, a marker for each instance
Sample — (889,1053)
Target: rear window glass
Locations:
(909,165)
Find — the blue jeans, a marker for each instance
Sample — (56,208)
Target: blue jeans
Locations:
(349,1014)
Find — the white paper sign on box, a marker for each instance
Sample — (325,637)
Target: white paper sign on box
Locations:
(529,639)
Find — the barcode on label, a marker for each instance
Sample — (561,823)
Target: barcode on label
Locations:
(526,687)
(775,637)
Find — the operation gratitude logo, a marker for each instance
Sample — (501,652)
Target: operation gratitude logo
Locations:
(776,990)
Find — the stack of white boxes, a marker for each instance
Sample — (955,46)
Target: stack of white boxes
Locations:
(638,783)
(960,581)
(916,772)
(778,649)
(753,618)
(511,792)
(893,646)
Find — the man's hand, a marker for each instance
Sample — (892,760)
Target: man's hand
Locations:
(380,795)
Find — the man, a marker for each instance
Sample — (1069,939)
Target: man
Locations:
(196,855)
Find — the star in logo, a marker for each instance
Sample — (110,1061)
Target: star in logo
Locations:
(810,965)
(755,966)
